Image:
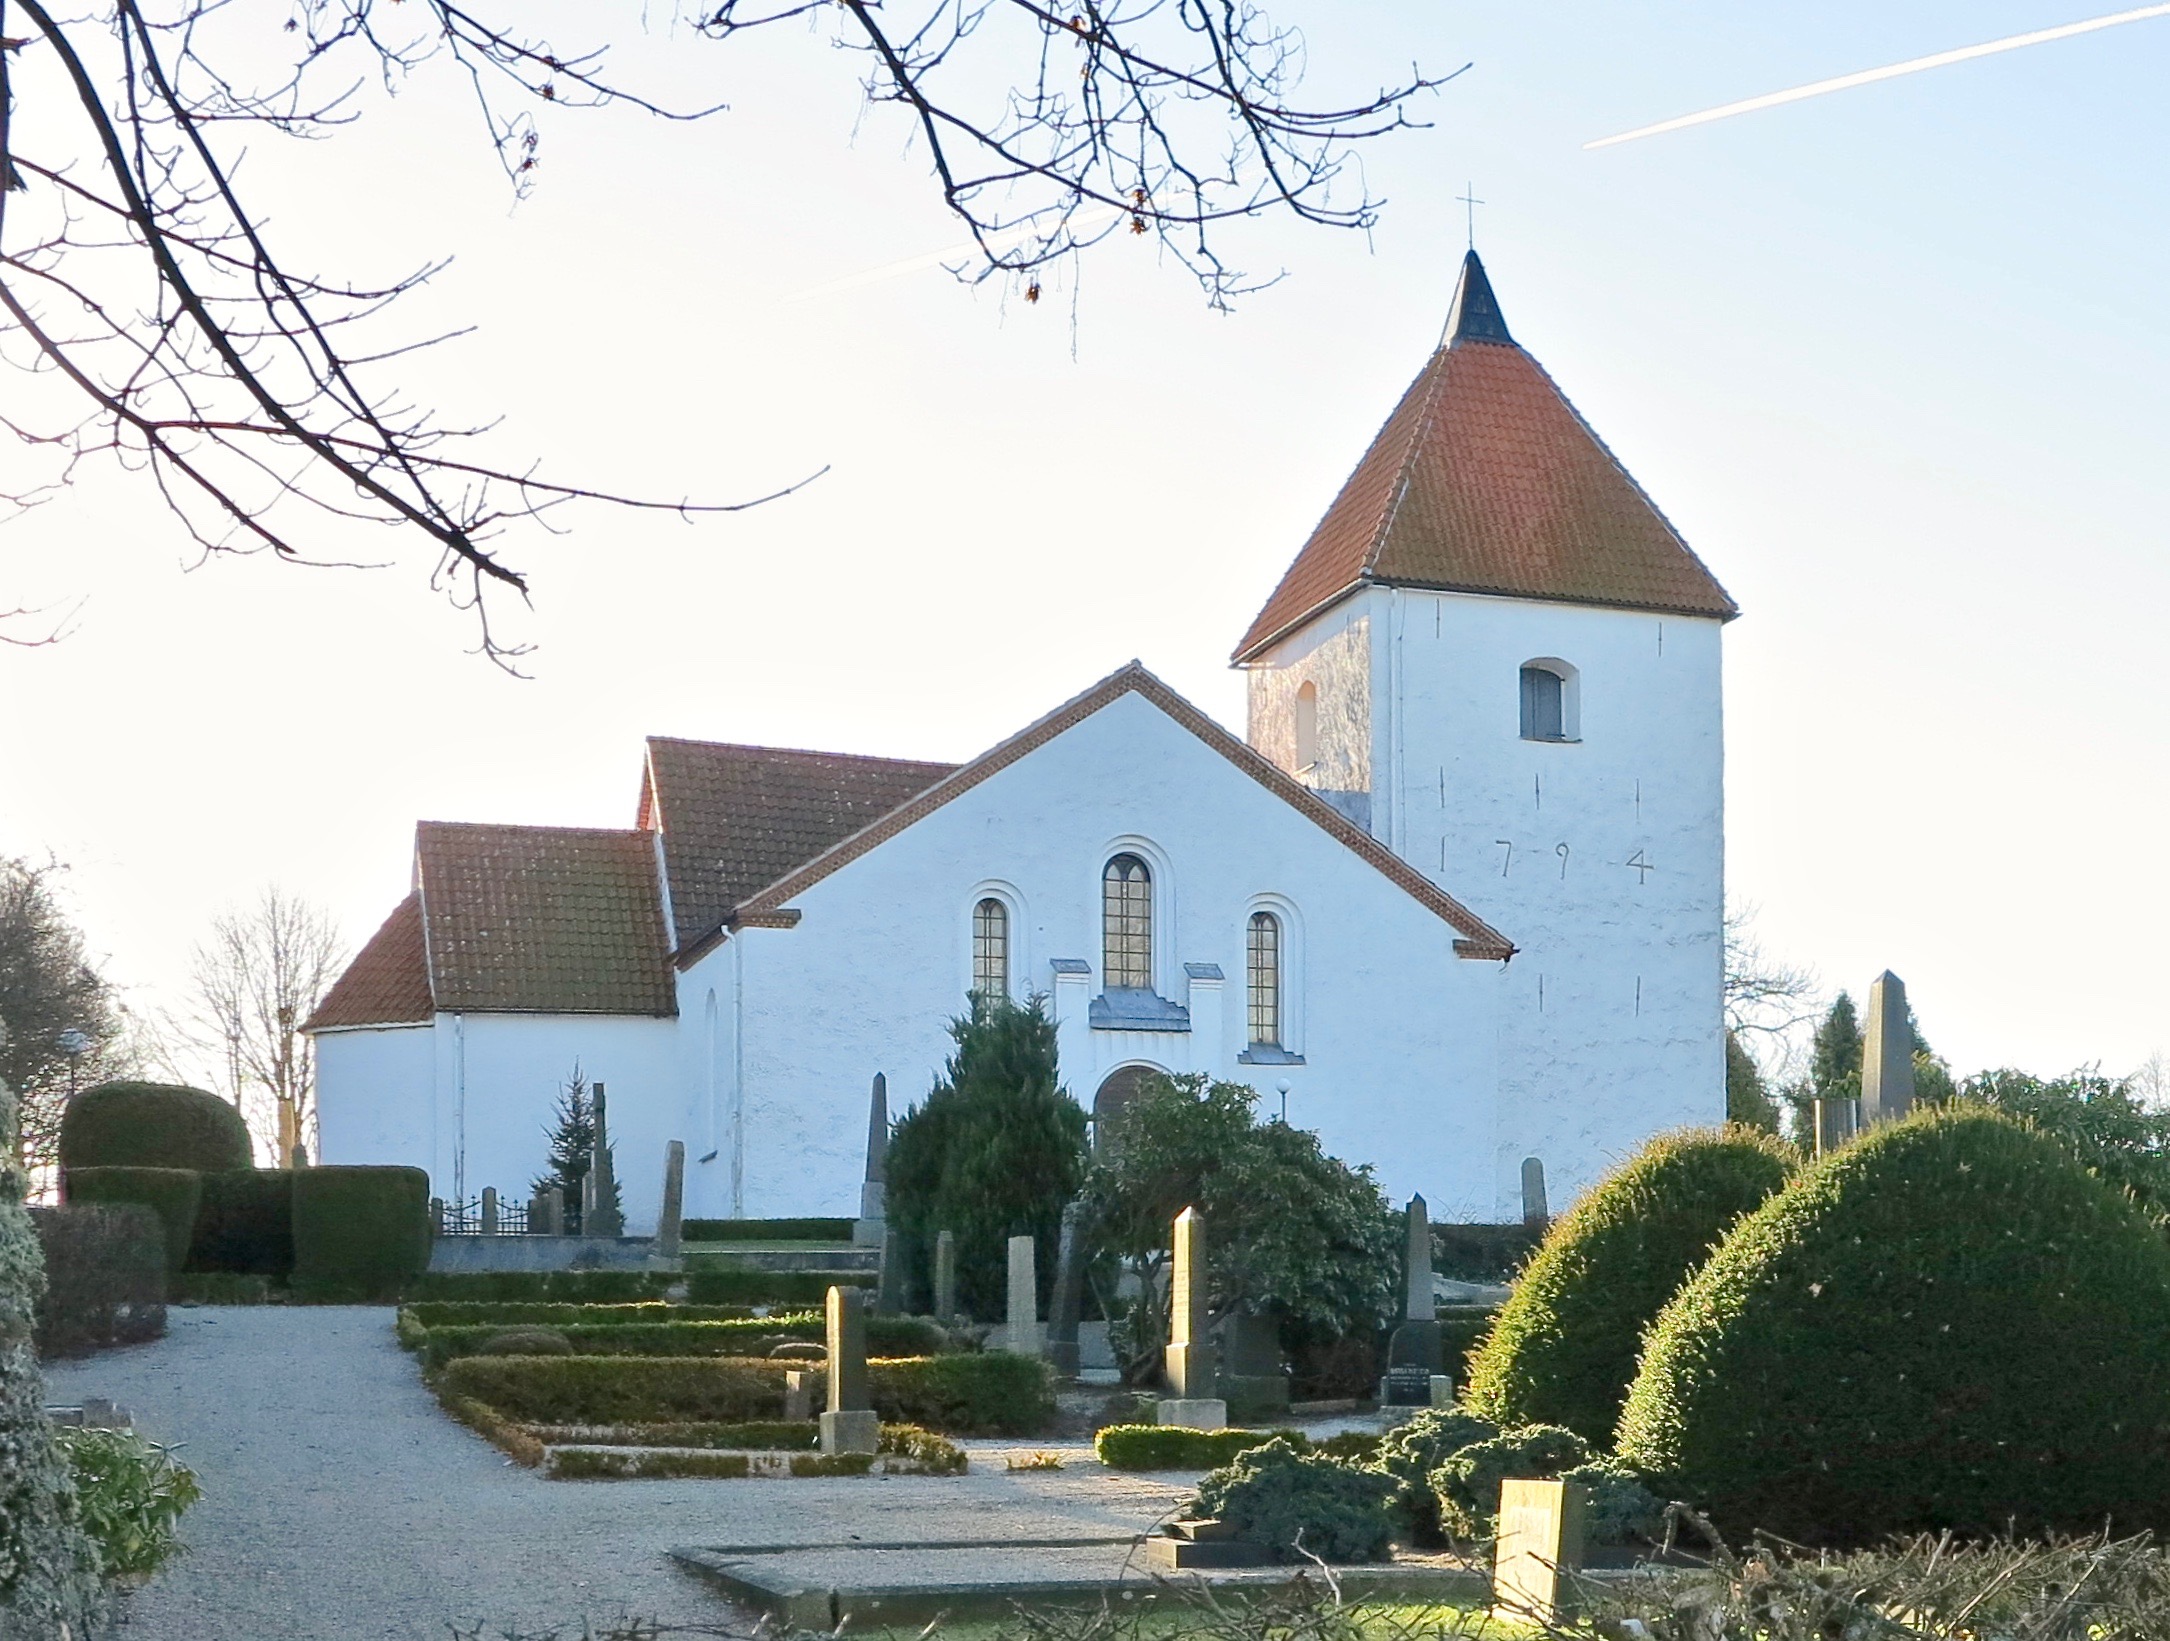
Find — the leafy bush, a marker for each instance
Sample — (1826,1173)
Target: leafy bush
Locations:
(620,1389)
(1292,1503)
(886,1335)
(360,1231)
(130,1497)
(245,1223)
(152,1125)
(1481,1253)
(453,1313)
(1410,1452)
(1172,1447)
(105,1267)
(1467,1483)
(534,1287)
(525,1342)
(1621,1509)
(993,1393)
(1563,1349)
(736,1285)
(767,1230)
(937,1456)
(1947,1324)
(171,1193)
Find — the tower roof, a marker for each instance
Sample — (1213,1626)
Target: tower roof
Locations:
(1486,480)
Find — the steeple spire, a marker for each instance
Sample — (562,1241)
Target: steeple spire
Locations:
(1475,316)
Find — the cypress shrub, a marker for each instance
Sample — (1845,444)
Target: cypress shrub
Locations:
(245,1223)
(1562,1350)
(1947,1324)
(152,1125)
(105,1277)
(173,1194)
(360,1232)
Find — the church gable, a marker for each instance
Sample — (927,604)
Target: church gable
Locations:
(387,984)
(1485,479)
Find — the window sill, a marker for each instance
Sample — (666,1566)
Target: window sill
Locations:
(1262,1054)
(1554,740)
(1126,1009)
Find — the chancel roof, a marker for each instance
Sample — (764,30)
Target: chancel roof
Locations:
(1485,479)
(387,984)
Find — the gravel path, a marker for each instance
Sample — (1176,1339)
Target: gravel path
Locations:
(341,1505)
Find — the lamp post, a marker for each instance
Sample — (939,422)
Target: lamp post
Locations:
(74,1044)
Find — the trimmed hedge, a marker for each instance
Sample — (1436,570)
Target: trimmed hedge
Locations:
(993,1393)
(886,1335)
(360,1231)
(1563,1349)
(1173,1447)
(541,1287)
(767,1230)
(173,1194)
(767,1435)
(734,1285)
(453,1313)
(1947,1324)
(245,1224)
(105,1277)
(152,1125)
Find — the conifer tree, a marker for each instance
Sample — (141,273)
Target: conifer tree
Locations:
(572,1144)
(1835,1073)
(1747,1098)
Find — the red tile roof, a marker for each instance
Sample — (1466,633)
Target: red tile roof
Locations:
(1486,480)
(543,920)
(387,984)
(736,818)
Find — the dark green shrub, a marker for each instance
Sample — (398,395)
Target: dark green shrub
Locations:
(245,1223)
(130,1496)
(1467,1484)
(620,1389)
(1481,1253)
(152,1125)
(1947,1324)
(989,1394)
(1358,1447)
(360,1231)
(733,1285)
(1294,1504)
(525,1342)
(1621,1509)
(537,1287)
(224,1288)
(1172,1447)
(1463,1330)
(171,1193)
(1410,1452)
(767,1230)
(1563,1349)
(938,1456)
(105,1277)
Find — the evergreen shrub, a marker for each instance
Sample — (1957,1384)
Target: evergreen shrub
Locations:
(737,1285)
(360,1232)
(173,1194)
(1564,1346)
(993,1393)
(1467,1483)
(1947,1324)
(1481,1253)
(105,1269)
(886,1336)
(767,1230)
(1621,1509)
(452,1313)
(541,1287)
(1463,1330)
(1293,1504)
(152,1125)
(245,1224)
(1409,1454)
(620,1389)
(1173,1447)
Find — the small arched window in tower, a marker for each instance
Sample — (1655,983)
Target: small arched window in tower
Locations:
(1263,976)
(1126,913)
(991,949)
(1307,726)
(1548,701)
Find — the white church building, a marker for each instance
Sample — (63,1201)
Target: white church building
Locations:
(1455,899)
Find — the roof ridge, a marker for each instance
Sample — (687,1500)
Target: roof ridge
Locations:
(524,826)
(796,751)
(1405,473)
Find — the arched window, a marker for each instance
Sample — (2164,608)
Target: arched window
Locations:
(1262,968)
(991,949)
(1126,922)
(1307,725)
(1544,704)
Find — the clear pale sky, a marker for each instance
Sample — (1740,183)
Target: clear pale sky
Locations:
(1893,360)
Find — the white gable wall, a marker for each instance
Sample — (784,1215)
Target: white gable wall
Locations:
(1397,1033)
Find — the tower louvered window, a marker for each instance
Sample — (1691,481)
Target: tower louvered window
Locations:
(1263,976)
(991,949)
(1544,705)
(1126,912)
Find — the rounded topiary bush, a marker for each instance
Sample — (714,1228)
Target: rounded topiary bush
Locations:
(1948,1324)
(152,1125)
(1292,1504)
(1562,1350)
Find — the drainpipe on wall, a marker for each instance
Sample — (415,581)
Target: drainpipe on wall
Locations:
(738,1077)
(459,1108)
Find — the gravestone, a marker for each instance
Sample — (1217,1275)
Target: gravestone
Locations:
(546,1213)
(436,1216)
(1541,1529)
(671,1223)
(1022,1335)
(849,1425)
(1536,1213)
(866,1230)
(1413,1351)
(800,1386)
(599,1215)
(1064,1304)
(489,1210)
(945,1275)
(1195,1401)
(1887,1054)
(1836,1122)
(889,1275)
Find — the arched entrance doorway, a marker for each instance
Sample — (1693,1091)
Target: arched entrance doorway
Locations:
(1120,1088)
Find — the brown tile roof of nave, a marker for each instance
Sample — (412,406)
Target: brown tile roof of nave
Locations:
(1485,479)
(544,920)
(736,818)
(387,984)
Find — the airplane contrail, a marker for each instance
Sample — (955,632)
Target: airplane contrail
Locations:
(1869,76)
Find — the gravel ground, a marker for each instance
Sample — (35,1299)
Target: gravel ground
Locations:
(341,1505)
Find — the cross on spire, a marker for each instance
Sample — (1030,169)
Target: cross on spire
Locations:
(1468,197)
